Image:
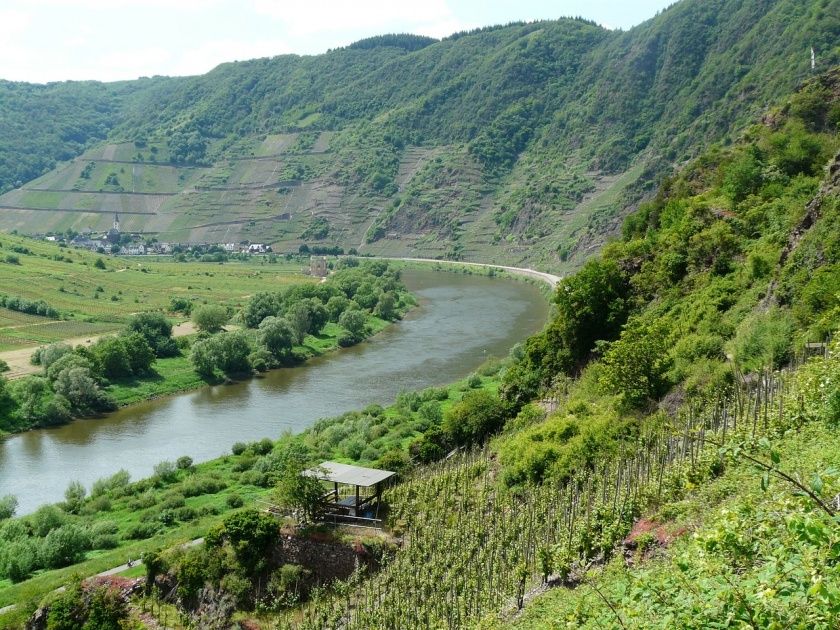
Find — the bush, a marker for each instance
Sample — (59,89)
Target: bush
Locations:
(45,519)
(141,531)
(172,501)
(764,340)
(198,485)
(156,330)
(165,471)
(234,501)
(263,447)
(184,462)
(8,506)
(477,415)
(64,546)
(118,480)
(238,448)
(210,318)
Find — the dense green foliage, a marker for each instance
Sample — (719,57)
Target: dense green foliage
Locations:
(45,124)
(283,319)
(707,270)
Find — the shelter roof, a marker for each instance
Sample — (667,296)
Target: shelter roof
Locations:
(349,474)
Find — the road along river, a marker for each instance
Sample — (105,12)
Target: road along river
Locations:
(461,321)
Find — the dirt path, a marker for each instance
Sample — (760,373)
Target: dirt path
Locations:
(19,360)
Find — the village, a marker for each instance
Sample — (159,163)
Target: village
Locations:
(117,242)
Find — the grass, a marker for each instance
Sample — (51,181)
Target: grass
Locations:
(97,300)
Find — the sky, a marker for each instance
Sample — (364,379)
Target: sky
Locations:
(110,40)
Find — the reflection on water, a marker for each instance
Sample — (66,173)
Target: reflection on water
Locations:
(460,322)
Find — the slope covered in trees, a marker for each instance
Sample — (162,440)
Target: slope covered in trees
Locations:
(42,125)
(516,143)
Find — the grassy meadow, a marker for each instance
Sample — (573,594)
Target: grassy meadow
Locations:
(93,300)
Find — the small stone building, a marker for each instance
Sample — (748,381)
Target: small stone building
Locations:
(318,266)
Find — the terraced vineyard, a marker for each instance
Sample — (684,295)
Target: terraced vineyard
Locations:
(267,191)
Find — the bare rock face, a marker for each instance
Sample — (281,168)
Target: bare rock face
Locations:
(38,620)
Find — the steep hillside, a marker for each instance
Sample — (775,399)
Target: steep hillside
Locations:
(521,143)
(41,125)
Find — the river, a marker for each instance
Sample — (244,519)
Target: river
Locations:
(461,320)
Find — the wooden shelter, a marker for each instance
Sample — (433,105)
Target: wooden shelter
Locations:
(356,490)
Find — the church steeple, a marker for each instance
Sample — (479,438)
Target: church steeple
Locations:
(116,222)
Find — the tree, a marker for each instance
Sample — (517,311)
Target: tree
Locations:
(386,306)
(99,264)
(74,497)
(635,365)
(232,350)
(141,355)
(336,305)
(477,415)
(298,491)
(157,330)
(113,357)
(250,534)
(66,362)
(355,325)
(227,352)
(45,357)
(202,357)
(83,393)
(210,318)
(276,336)
(299,318)
(259,307)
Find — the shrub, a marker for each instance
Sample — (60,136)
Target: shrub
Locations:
(165,471)
(141,531)
(184,462)
(119,479)
(64,546)
(245,463)
(99,504)
(263,447)
(477,415)
(172,501)
(238,448)
(198,485)
(45,519)
(8,506)
(234,501)
(210,318)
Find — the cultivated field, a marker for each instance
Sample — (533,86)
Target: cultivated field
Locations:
(93,301)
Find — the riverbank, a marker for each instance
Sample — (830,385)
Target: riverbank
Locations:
(548,278)
(177,375)
(183,502)
(354,303)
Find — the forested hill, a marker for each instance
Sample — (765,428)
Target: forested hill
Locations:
(44,124)
(517,143)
